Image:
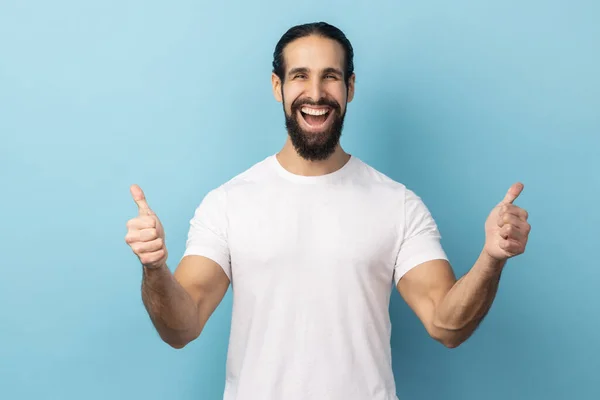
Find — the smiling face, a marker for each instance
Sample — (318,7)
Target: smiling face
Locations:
(314,95)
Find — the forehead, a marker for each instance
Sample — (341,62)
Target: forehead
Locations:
(315,53)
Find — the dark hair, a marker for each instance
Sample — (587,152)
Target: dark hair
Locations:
(322,29)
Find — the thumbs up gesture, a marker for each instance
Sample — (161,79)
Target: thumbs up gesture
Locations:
(506,228)
(145,234)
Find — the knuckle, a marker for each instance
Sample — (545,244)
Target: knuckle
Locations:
(149,222)
(146,234)
(153,233)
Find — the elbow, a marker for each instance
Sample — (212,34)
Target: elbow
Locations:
(178,342)
(177,345)
(452,343)
(450,339)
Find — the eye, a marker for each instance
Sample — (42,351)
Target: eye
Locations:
(330,76)
(300,76)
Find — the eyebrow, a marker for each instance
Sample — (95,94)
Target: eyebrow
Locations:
(333,71)
(298,70)
(304,70)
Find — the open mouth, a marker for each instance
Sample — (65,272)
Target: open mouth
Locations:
(316,117)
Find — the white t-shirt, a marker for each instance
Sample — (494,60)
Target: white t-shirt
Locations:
(313,261)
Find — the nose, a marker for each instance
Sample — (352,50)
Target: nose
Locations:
(315,90)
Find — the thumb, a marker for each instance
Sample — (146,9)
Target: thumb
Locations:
(514,192)
(140,200)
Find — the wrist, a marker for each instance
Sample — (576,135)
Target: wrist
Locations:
(152,267)
(489,264)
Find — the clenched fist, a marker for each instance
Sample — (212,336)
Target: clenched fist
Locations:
(145,234)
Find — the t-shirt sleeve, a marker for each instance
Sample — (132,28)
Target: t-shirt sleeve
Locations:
(207,235)
(422,239)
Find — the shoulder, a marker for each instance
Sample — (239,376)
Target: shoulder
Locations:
(366,174)
(258,172)
(240,184)
(383,183)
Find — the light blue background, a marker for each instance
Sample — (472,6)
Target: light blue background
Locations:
(457,100)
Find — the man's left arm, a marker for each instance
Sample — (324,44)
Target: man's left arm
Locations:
(452,309)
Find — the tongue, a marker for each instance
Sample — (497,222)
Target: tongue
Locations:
(314,119)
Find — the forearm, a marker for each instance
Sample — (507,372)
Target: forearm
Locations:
(468,301)
(172,310)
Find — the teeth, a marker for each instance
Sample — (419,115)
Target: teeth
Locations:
(312,111)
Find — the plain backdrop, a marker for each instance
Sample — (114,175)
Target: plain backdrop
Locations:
(457,100)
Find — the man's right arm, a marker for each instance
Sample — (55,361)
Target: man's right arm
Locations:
(180,304)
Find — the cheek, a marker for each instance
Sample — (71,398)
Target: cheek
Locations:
(290,94)
(338,93)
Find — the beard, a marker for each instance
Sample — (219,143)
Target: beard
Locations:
(314,146)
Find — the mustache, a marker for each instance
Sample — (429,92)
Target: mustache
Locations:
(298,103)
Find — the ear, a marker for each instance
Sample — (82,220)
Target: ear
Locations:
(276,82)
(351,82)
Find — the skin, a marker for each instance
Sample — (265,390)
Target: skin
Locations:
(180,303)
(451,309)
(314,69)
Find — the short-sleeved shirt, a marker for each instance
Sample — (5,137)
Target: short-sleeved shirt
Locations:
(312,261)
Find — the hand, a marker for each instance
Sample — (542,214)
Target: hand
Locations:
(145,234)
(506,228)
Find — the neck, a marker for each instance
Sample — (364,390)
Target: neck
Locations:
(290,160)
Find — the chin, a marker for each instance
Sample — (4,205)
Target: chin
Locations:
(314,146)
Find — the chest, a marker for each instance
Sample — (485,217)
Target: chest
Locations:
(314,232)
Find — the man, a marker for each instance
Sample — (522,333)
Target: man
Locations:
(313,241)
